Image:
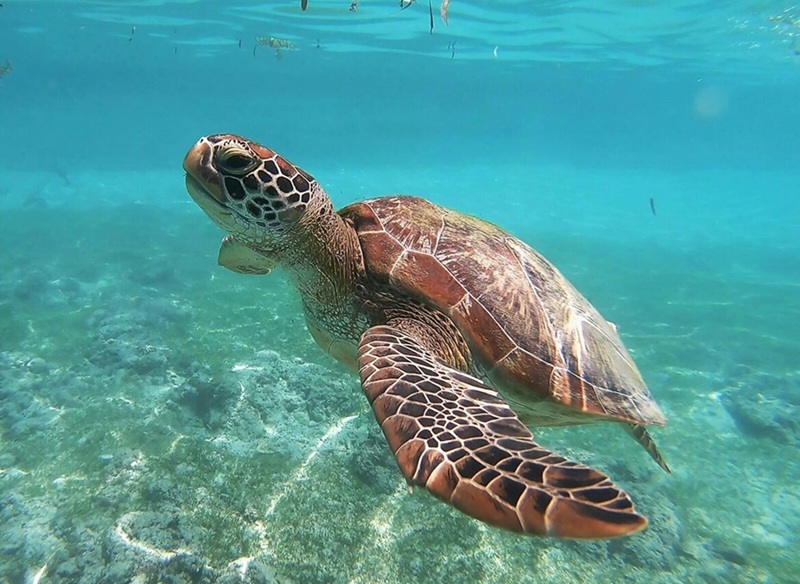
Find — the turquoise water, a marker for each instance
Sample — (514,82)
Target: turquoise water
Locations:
(164,420)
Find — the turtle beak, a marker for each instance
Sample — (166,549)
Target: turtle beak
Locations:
(200,172)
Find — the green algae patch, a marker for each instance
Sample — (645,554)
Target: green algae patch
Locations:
(13,327)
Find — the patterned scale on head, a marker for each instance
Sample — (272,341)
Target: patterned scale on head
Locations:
(261,187)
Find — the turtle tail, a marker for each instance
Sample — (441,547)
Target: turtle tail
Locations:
(642,436)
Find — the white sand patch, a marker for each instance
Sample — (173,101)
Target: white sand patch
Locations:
(157,554)
(300,472)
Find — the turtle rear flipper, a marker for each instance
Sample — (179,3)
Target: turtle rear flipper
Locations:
(455,436)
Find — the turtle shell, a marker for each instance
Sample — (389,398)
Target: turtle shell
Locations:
(532,334)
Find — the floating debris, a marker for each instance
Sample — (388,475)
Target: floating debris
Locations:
(653,205)
(5,69)
(443,10)
(276,44)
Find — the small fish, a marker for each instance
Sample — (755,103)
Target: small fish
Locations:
(275,43)
(430,10)
(255,46)
(653,205)
(303,4)
(34,202)
(240,43)
(176,50)
(61,172)
(443,10)
(133,33)
(405,4)
(452,47)
(785,18)
(353,5)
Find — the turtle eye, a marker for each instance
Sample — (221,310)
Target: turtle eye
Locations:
(236,162)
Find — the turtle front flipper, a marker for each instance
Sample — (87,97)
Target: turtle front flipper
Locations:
(239,258)
(455,436)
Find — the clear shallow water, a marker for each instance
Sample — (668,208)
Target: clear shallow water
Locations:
(164,420)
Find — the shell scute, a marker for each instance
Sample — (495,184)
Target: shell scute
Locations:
(423,267)
(530,330)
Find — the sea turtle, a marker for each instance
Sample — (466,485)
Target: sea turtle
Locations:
(462,336)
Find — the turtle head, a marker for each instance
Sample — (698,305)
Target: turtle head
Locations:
(249,190)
